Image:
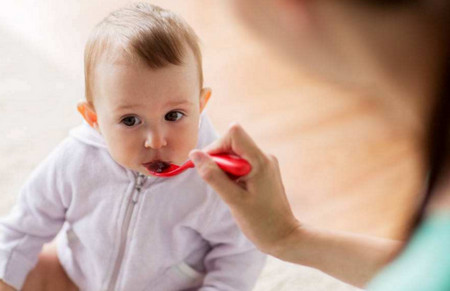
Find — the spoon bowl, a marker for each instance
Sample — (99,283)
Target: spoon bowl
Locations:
(230,164)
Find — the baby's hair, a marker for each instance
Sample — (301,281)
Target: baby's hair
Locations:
(140,32)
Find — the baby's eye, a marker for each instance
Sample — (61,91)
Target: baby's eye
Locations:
(131,121)
(173,115)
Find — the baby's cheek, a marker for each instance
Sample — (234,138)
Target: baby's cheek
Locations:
(123,153)
(189,139)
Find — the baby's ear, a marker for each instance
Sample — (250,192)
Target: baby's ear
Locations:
(205,94)
(88,113)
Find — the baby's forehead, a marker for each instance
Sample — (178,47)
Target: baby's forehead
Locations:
(121,81)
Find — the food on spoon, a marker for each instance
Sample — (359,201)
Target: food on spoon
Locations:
(157,166)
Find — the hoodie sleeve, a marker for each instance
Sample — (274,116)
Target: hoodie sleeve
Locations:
(35,219)
(233,262)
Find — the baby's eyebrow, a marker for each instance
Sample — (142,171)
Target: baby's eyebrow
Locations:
(122,107)
(126,106)
(180,102)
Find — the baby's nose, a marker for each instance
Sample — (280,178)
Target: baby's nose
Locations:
(155,140)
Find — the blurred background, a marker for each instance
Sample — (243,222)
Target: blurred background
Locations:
(340,151)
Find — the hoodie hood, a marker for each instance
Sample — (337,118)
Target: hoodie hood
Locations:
(88,135)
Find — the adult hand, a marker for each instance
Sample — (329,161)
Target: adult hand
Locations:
(257,201)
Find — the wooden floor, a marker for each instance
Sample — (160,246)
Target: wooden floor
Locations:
(346,162)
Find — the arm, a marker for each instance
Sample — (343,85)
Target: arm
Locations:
(352,258)
(260,207)
(233,263)
(5,287)
(35,219)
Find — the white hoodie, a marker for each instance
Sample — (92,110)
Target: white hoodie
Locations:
(122,231)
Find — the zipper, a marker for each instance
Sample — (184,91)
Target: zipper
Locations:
(140,180)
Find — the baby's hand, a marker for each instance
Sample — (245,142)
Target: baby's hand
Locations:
(5,287)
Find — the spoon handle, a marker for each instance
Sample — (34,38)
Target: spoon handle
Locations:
(232,164)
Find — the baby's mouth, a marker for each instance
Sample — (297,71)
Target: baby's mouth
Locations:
(157,166)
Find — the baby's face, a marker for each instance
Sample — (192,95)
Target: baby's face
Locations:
(148,117)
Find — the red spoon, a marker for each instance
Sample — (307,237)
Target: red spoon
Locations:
(229,163)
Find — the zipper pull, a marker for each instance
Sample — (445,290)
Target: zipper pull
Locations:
(139,182)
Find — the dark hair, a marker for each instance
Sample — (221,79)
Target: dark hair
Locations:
(438,146)
(438,135)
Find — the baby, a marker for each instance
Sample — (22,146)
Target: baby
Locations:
(119,227)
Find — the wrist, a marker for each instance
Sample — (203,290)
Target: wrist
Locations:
(286,248)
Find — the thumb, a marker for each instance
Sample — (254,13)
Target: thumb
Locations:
(215,177)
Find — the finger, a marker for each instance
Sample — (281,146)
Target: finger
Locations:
(215,177)
(236,141)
